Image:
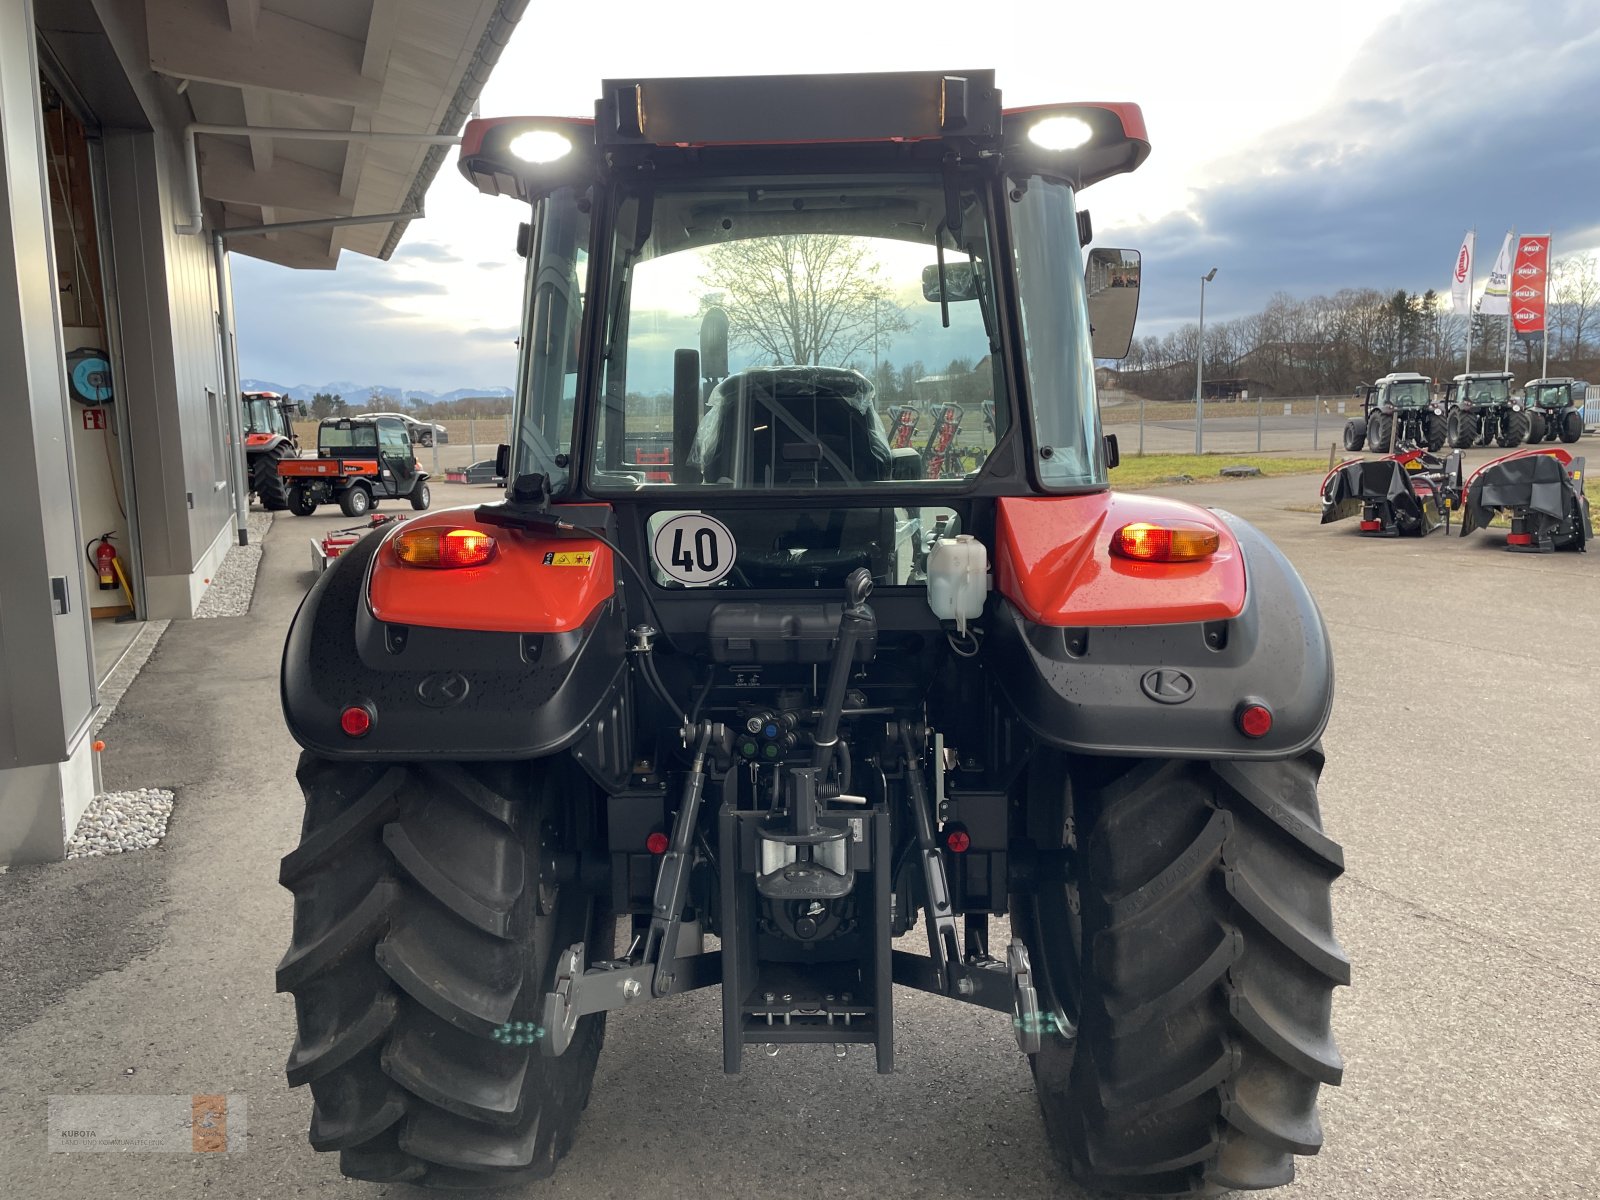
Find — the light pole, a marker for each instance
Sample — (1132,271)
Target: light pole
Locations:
(1199,361)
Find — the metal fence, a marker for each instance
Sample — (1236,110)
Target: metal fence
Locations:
(1275,424)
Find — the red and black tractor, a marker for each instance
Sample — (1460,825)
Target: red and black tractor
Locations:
(360,460)
(796,689)
(269,439)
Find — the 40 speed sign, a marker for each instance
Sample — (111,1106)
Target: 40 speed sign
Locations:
(695,549)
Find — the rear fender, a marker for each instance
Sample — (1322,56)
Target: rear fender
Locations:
(1174,689)
(436,692)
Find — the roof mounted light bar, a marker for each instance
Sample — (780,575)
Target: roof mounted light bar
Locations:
(888,107)
(530,157)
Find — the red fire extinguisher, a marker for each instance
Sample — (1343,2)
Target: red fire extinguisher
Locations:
(104,561)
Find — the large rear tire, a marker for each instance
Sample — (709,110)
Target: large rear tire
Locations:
(1513,429)
(1355,433)
(1378,430)
(1571,426)
(265,481)
(1536,427)
(1469,431)
(1433,429)
(424,941)
(1206,964)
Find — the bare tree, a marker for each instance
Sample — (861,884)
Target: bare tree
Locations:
(1575,303)
(805,299)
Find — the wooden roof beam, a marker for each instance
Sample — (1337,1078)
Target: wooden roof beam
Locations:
(191,39)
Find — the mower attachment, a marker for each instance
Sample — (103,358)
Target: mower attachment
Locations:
(1408,494)
(1541,491)
(336,541)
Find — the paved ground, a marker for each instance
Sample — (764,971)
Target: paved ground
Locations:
(1462,777)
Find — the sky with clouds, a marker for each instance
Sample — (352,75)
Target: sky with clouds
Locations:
(1297,147)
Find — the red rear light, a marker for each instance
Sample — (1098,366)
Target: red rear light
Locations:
(1371,526)
(356,720)
(957,840)
(1170,541)
(657,843)
(435,547)
(1255,720)
(1520,539)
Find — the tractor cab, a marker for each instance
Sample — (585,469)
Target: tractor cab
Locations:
(270,414)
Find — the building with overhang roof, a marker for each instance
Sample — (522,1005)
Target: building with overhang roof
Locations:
(142,141)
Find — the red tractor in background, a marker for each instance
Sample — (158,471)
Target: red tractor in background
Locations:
(802,685)
(269,439)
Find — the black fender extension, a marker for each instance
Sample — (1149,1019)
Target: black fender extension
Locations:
(451,693)
(1176,691)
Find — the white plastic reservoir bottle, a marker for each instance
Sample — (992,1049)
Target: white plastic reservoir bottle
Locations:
(958,579)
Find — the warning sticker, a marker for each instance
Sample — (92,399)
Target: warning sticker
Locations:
(569,558)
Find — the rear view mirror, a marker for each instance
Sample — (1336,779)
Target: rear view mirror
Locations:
(960,282)
(502,461)
(1111,283)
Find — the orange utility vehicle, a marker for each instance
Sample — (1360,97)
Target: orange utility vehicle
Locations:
(360,460)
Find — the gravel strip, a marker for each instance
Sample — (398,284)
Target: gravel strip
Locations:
(234,585)
(119,821)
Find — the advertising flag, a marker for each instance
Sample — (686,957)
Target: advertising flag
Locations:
(1497,292)
(1529,277)
(1461,281)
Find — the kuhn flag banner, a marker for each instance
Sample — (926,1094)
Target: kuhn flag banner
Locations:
(1497,292)
(1461,281)
(1528,279)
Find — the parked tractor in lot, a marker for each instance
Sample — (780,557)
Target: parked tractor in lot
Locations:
(1409,494)
(1397,412)
(360,460)
(1555,406)
(269,439)
(1540,492)
(1481,408)
(809,681)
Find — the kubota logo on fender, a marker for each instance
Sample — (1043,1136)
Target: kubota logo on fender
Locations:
(1166,685)
(443,691)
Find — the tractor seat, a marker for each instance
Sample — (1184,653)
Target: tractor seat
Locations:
(799,427)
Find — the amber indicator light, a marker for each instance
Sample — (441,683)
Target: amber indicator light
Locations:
(443,547)
(1169,541)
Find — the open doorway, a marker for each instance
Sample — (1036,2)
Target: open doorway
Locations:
(101,463)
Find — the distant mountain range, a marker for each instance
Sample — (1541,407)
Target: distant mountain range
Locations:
(358,393)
